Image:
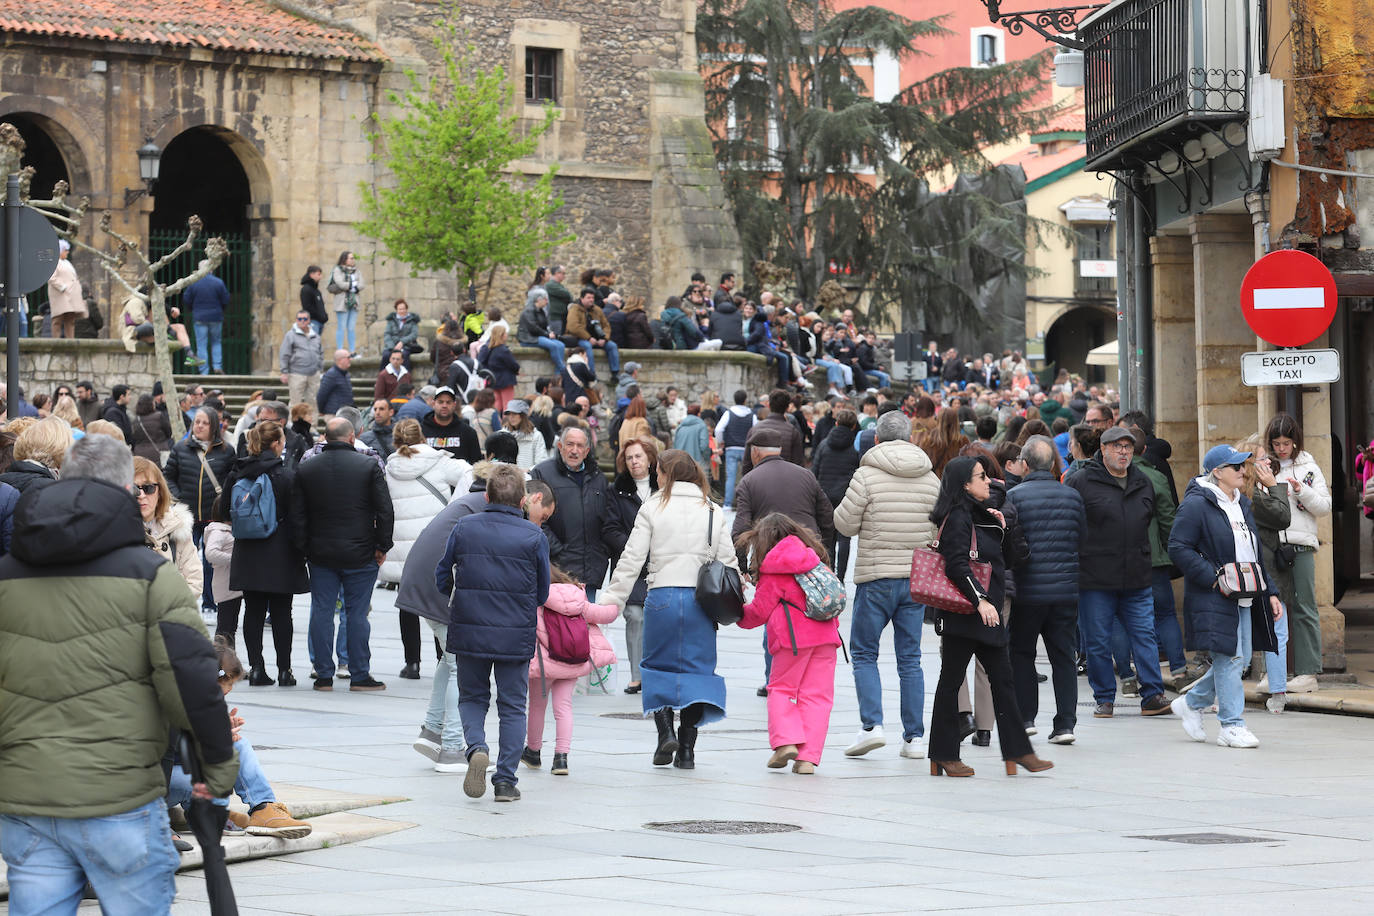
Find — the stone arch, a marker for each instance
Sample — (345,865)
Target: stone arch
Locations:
(250,158)
(69,134)
(1074,330)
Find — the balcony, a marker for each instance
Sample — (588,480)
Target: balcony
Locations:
(1160,73)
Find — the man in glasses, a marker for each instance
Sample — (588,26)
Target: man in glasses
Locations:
(1115,571)
(301,358)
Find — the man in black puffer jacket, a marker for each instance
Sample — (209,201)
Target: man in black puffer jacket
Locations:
(587,523)
(834,462)
(342,520)
(1046,603)
(727,326)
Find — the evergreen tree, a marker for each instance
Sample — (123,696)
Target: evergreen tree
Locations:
(452,206)
(820,172)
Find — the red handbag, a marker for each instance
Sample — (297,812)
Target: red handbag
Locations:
(930,583)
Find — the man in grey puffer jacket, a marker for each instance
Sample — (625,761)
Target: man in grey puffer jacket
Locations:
(888,506)
(300,360)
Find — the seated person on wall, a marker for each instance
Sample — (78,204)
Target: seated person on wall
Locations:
(135,325)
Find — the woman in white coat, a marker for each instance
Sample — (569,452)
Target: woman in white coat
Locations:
(65,295)
(421,480)
(678,671)
(517,420)
(1308,499)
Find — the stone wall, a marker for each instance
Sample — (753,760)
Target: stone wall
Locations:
(44,363)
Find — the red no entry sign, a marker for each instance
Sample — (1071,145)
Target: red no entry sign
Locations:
(1288,298)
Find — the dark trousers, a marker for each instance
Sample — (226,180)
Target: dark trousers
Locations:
(1057,625)
(474,699)
(227,619)
(955,652)
(410,637)
(838,548)
(207,595)
(256,607)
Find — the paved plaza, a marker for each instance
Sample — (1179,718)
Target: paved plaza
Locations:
(1113,828)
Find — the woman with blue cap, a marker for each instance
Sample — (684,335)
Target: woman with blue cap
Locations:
(1214,534)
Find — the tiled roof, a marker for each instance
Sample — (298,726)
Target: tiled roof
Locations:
(1068,118)
(250,26)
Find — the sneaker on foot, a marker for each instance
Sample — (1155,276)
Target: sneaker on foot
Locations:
(1189,718)
(475,783)
(341,672)
(366,683)
(869,739)
(1156,705)
(560,765)
(531,758)
(1130,687)
(1262,685)
(1236,736)
(1104,710)
(1062,736)
(428,743)
(1303,683)
(1276,703)
(272,819)
(914,748)
(448,760)
(505,792)
(236,823)
(1031,730)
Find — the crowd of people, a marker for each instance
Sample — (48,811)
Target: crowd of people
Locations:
(519,517)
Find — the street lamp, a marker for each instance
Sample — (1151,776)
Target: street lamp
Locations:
(1062,21)
(149,164)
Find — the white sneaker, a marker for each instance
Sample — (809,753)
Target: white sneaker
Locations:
(1263,684)
(914,748)
(341,671)
(1062,737)
(1189,717)
(1236,736)
(869,739)
(1303,683)
(1276,703)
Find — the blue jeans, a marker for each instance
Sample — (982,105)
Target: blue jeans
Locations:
(876,604)
(207,598)
(316,326)
(128,858)
(340,637)
(555,349)
(612,355)
(930,383)
(836,374)
(442,715)
(324,591)
(251,785)
(1097,608)
(345,328)
(884,380)
(474,699)
(1276,663)
(734,457)
(1222,683)
(208,338)
(1167,631)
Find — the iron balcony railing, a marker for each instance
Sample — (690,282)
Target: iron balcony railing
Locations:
(1152,65)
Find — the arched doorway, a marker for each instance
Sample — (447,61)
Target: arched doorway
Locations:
(40,151)
(201,175)
(1074,333)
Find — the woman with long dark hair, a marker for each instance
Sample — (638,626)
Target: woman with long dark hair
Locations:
(679,666)
(942,443)
(962,514)
(636,480)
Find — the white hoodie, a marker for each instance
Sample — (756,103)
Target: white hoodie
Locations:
(1246,544)
(1307,505)
(413,502)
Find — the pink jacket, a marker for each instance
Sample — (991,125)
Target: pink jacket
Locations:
(777,581)
(571,601)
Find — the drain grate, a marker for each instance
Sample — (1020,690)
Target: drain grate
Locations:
(1206,839)
(621,715)
(722,828)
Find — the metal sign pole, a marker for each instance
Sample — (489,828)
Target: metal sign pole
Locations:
(12,294)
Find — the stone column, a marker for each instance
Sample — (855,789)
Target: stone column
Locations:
(1223,250)
(1175,361)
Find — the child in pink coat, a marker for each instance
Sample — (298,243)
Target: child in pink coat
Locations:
(801,689)
(552,678)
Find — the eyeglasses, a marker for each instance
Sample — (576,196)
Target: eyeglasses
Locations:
(980,476)
(302,318)
(148,488)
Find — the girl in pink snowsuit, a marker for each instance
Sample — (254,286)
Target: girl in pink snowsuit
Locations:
(550,678)
(801,690)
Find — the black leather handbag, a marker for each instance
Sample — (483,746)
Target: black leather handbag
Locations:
(719,590)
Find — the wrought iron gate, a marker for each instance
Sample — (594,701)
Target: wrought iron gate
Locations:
(237,273)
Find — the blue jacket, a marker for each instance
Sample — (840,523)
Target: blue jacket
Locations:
(1200,544)
(1052,518)
(336,390)
(414,409)
(206,298)
(503,365)
(496,565)
(9,496)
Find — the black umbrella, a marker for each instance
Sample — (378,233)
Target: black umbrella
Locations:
(207,823)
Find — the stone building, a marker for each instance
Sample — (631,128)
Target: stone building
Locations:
(260,110)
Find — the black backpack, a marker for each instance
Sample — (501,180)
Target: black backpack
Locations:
(663,335)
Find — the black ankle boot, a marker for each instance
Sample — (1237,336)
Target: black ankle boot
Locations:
(966,726)
(258,677)
(685,759)
(667,740)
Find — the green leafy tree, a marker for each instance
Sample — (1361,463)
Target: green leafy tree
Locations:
(453,206)
(820,172)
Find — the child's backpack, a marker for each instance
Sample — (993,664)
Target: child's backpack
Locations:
(824,593)
(1364,472)
(570,638)
(253,512)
